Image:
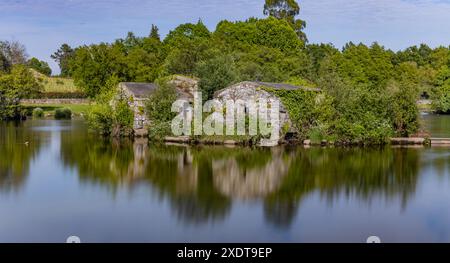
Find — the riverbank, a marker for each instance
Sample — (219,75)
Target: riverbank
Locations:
(78,107)
(307,143)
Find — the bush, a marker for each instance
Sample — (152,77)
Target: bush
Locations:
(38,113)
(159,110)
(123,119)
(99,118)
(18,84)
(441,99)
(159,105)
(111,119)
(63,113)
(216,74)
(300,105)
(159,130)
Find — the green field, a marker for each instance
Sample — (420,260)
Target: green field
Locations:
(55,84)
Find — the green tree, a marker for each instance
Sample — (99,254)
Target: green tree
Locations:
(186,45)
(40,66)
(269,32)
(286,10)
(187,31)
(215,74)
(159,104)
(441,94)
(159,110)
(92,66)
(19,84)
(63,56)
(154,33)
(111,113)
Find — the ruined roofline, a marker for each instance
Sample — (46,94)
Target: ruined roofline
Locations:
(277,86)
(139,89)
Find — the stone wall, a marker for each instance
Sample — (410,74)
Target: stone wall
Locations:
(252,91)
(55,101)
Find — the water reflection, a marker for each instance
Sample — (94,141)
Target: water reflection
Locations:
(355,172)
(18,147)
(201,183)
(144,192)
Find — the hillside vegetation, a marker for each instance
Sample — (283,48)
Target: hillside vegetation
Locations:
(55,84)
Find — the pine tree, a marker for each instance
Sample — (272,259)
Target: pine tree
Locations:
(154,33)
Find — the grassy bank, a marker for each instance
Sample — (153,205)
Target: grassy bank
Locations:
(55,84)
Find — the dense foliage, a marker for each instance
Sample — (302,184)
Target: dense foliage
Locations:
(159,109)
(18,84)
(111,113)
(286,10)
(40,66)
(38,113)
(368,93)
(63,114)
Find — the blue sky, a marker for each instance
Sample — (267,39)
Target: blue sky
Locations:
(42,25)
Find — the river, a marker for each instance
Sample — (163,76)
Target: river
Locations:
(56,180)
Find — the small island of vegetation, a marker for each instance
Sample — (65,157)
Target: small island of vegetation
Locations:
(368,95)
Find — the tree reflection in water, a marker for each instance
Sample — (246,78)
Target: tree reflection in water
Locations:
(201,183)
(365,173)
(18,146)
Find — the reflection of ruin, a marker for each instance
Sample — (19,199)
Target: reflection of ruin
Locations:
(187,179)
(250,183)
(136,168)
(201,183)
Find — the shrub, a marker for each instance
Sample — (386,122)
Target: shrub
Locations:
(300,105)
(159,110)
(38,113)
(441,99)
(216,74)
(107,119)
(159,105)
(99,118)
(63,113)
(123,119)
(159,130)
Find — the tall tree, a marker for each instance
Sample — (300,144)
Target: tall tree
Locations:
(62,56)
(154,33)
(216,74)
(287,10)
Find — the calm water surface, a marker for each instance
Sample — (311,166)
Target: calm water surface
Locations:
(65,182)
